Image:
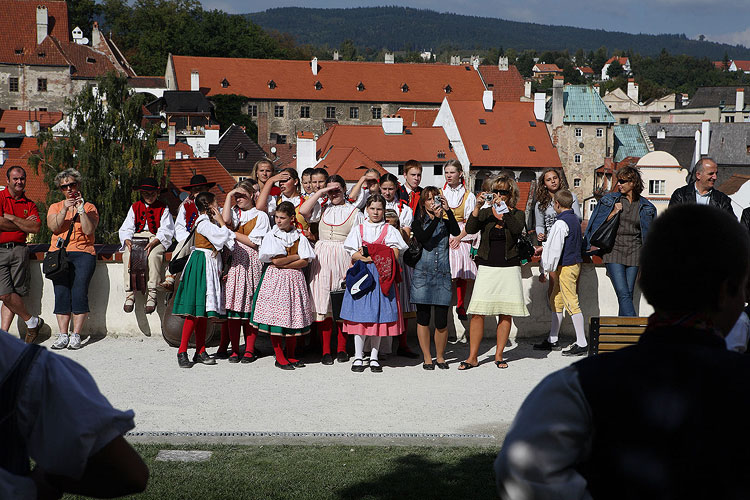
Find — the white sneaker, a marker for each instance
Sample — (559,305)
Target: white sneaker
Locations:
(75,341)
(61,342)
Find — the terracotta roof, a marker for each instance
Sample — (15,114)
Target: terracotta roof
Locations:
(546,68)
(733,184)
(11,119)
(170,151)
(339,80)
(18,31)
(720,64)
(505,85)
(180,172)
(585,70)
(622,60)
(147,82)
(87,62)
(36,188)
(742,65)
(507,133)
(524,189)
(348,162)
(424,117)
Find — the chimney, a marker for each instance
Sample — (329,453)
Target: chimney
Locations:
(557,102)
(178,155)
(32,128)
(336,55)
(740,102)
(661,133)
(306,146)
(697,150)
(195,80)
(42,23)
(96,35)
(389,58)
(705,136)
(527,89)
(632,89)
(172,133)
(502,64)
(314,65)
(540,101)
(475,62)
(487,98)
(455,60)
(263,137)
(393,124)
(3,157)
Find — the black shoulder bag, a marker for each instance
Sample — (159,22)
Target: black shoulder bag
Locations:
(56,264)
(605,235)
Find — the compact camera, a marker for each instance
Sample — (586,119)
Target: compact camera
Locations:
(437,200)
(488,197)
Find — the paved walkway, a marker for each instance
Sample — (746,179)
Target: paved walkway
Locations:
(260,399)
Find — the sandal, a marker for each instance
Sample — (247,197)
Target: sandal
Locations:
(502,364)
(466,366)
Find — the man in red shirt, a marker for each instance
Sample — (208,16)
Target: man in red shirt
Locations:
(19,217)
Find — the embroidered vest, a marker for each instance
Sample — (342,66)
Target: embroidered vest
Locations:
(191,213)
(336,232)
(301,222)
(292,250)
(148,216)
(458,211)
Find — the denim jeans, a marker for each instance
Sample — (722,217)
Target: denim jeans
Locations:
(72,291)
(623,280)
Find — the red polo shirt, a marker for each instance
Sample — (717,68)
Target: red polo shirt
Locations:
(21,207)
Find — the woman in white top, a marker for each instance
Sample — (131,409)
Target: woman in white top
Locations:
(550,181)
(328,270)
(461,201)
(289,184)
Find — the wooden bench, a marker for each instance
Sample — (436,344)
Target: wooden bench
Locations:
(609,333)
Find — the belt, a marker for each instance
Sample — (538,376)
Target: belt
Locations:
(12,244)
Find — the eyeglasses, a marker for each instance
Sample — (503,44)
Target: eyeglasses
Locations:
(501,192)
(623,181)
(65,187)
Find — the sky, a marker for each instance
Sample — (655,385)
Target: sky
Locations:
(726,21)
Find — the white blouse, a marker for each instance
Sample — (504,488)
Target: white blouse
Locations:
(454,196)
(240,217)
(294,200)
(405,214)
(335,215)
(276,242)
(372,232)
(220,237)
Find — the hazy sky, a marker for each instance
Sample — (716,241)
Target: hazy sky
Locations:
(719,20)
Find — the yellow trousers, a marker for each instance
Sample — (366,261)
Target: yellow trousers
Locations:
(564,292)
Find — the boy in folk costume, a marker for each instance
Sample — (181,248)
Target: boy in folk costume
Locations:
(150,228)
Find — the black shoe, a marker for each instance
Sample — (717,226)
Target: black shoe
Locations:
(576,350)
(248,358)
(327,359)
(298,364)
(546,345)
(428,366)
(443,365)
(234,358)
(407,353)
(342,357)
(287,366)
(376,368)
(183,360)
(358,368)
(204,358)
(220,355)
(461,312)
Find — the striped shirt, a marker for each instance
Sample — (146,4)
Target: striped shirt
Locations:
(627,249)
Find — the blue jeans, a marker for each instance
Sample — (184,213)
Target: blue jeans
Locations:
(72,291)
(623,280)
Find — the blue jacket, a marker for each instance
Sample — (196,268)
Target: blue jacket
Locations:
(647,212)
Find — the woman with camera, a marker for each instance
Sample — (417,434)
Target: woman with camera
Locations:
(72,289)
(498,290)
(431,281)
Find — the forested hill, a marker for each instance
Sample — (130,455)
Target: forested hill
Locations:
(401,28)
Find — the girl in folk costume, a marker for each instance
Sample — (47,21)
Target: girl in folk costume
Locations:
(250,225)
(461,201)
(281,306)
(332,261)
(261,173)
(289,184)
(374,313)
(199,294)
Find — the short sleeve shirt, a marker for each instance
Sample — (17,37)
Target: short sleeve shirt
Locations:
(79,242)
(21,207)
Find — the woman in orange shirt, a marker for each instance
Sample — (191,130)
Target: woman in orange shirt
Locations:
(72,291)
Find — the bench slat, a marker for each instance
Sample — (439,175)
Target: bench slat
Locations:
(606,346)
(623,339)
(626,330)
(617,320)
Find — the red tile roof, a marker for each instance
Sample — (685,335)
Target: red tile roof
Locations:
(733,184)
(339,80)
(170,151)
(11,119)
(720,64)
(525,193)
(546,68)
(622,60)
(507,133)
(424,117)
(742,65)
(348,162)
(505,85)
(180,172)
(18,29)
(585,70)
(147,82)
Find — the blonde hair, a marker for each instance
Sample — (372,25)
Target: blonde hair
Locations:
(505,181)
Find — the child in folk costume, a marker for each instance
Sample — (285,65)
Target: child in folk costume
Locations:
(150,219)
(281,306)
(332,261)
(461,201)
(376,313)
(250,225)
(199,294)
(410,190)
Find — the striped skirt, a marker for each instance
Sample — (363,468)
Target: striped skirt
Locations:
(327,272)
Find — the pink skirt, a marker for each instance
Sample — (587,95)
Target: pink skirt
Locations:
(242,280)
(462,266)
(393,329)
(283,301)
(327,272)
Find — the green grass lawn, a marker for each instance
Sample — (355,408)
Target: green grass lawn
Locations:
(320,472)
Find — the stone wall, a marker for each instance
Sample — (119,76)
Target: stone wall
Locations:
(59,87)
(592,149)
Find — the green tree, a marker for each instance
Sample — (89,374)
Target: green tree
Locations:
(348,50)
(81,13)
(106,144)
(599,59)
(228,109)
(725,61)
(615,69)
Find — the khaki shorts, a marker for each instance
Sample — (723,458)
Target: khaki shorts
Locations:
(14,270)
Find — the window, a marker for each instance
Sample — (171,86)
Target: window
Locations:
(655,119)
(252,109)
(532,148)
(592,205)
(400,170)
(532,124)
(241,154)
(600,132)
(13,108)
(225,83)
(271,84)
(577,158)
(579,132)
(729,119)
(318,85)
(376,113)
(42,109)
(404,88)
(576,182)
(41,84)
(438,170)
(280,139)
(278,111)
(354,112)
(447,89)
(91,60)
(331,112)
(485,147)
(482,121)
(624,121)
(304,112)
(657,187)
(13,84)
(360,87)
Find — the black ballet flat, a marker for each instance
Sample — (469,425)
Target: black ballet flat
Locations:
(287,366)
(234,358)
(342,357)
(428,366)
(203,358)
(358,368)
(327,359)
(298,364)
(248,358)
(376,368)
(183,361)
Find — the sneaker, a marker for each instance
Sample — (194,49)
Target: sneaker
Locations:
(61,342)
(546,345)
(75,342)
(576,350)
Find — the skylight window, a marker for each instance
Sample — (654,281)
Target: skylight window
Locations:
(360,86)
(318,85)
(271,84)
(482,121)
(532,148)
(532,123)
(485,147)
(404,88)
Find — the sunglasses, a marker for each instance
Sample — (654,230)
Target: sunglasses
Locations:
(501,192)
(623,181)
(65,187)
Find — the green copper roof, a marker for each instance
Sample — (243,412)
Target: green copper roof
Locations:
(582,104)
(629,142)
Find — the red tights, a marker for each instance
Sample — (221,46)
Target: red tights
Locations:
(199,326)
(460,293)
(291,345)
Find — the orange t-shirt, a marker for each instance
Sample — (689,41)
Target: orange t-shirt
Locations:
(79,242)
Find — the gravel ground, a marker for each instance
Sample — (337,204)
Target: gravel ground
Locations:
(142,374)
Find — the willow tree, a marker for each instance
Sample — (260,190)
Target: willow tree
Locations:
(106,142)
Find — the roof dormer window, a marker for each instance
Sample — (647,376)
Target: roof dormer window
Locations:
(360,86)
(404,87)
(485,147)
(19,52)
(42,54)
(90,60)
(271,84)
(318,85)
(225,83)
(482,121)
(447,89)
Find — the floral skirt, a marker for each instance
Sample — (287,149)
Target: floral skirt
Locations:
(282,305)
(242,280)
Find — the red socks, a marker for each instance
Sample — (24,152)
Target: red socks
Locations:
(251,335)
(224,342)
(187,331)
(199,325)
(291,345)
(278,351)
(234,335)
(460,293)
(340,339)
(325,329)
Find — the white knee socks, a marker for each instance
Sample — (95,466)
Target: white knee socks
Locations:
(580,332)
(375,343)
(359,349)
(554,329)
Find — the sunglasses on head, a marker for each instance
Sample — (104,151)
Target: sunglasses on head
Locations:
(65,187)
(501,192)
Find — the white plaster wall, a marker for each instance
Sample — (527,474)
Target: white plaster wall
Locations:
(741,199)
(106,297)
(674,177)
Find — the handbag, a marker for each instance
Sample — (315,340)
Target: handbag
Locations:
(181,254)
(604,236)
(413,253)
(525,247)
(56,264)
(337,299)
